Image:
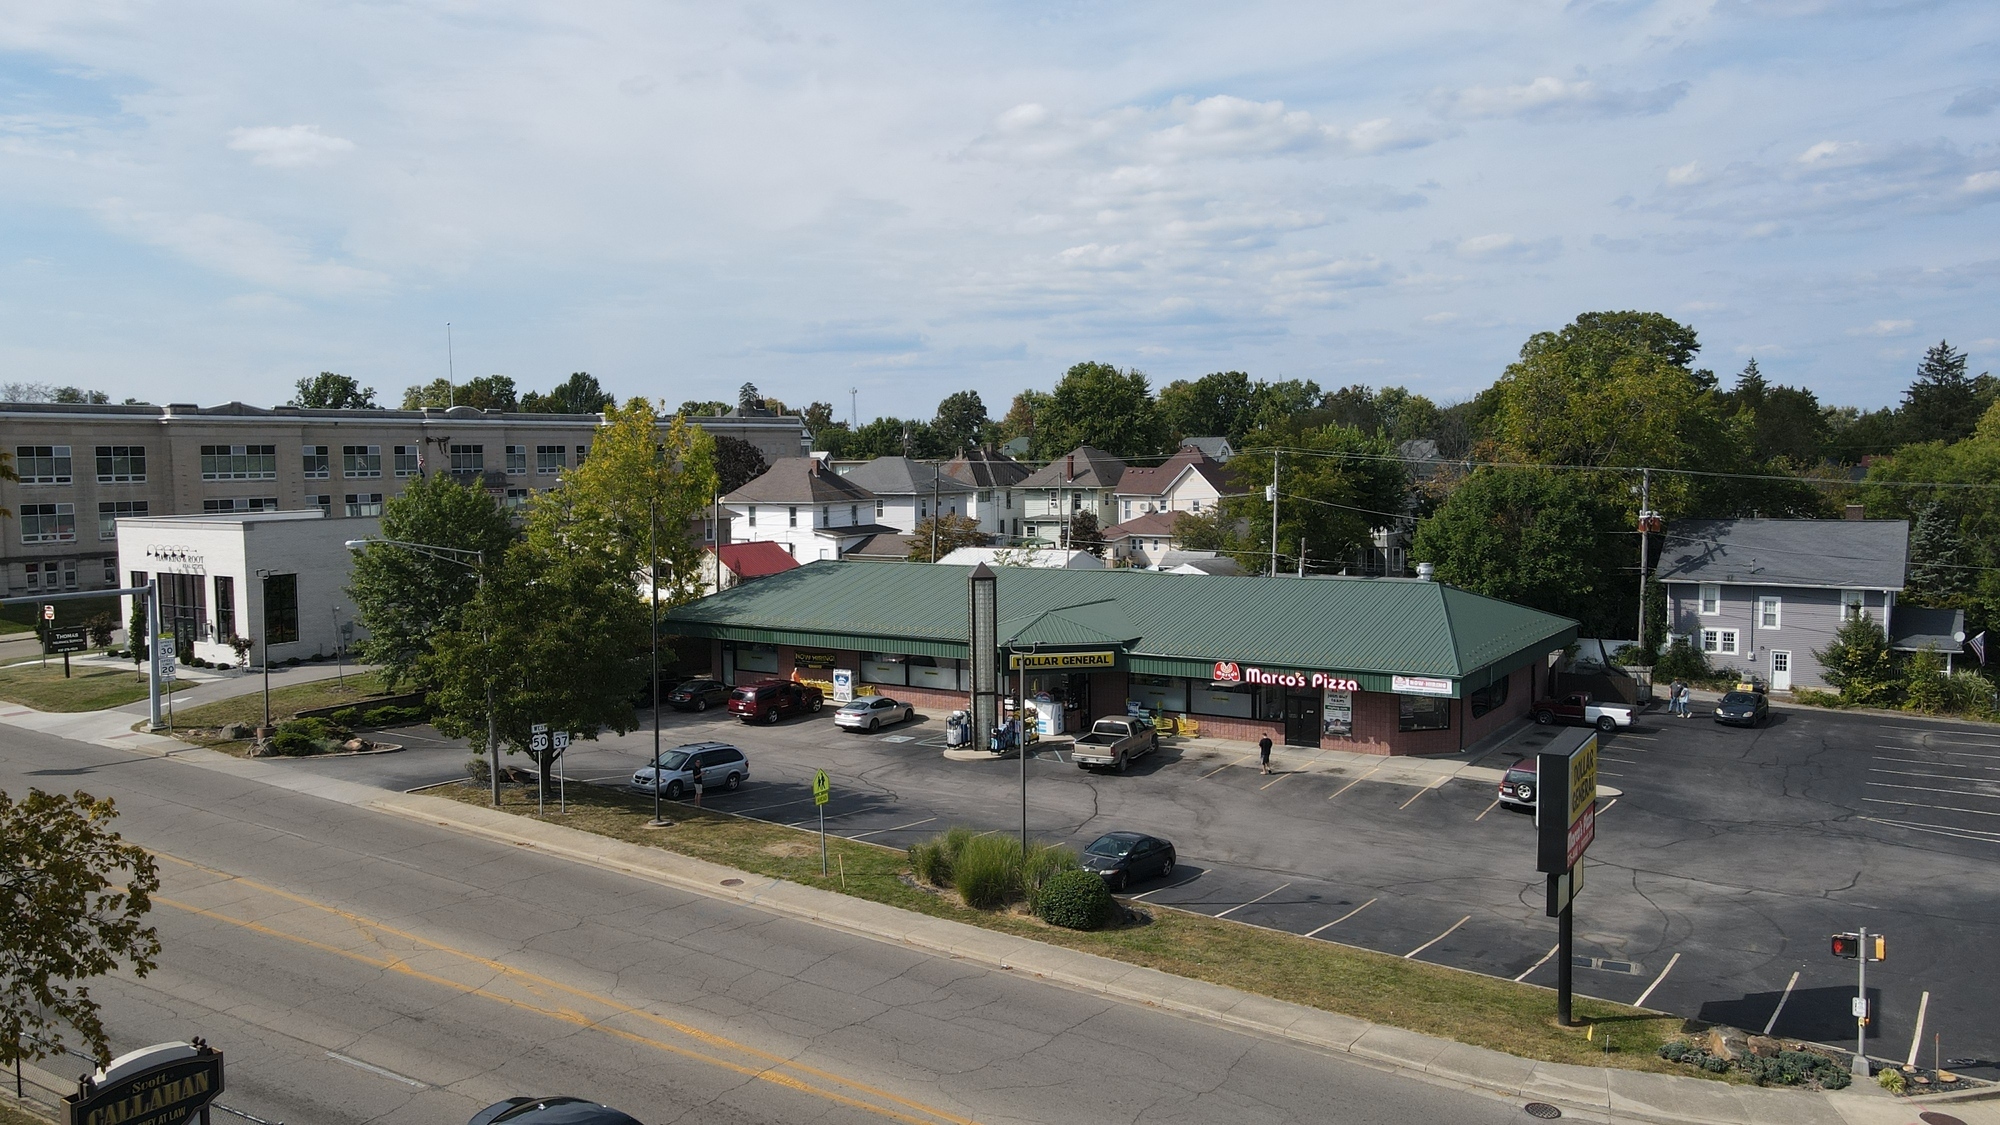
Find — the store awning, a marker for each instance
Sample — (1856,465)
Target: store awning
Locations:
(1097,624)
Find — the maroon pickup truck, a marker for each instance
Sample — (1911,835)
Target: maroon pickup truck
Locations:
(1580,707)
(772,700)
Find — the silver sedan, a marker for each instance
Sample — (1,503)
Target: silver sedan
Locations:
(871,713)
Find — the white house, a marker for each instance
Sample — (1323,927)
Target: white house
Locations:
(1189,481)
(277,578)
(999,501)
(1040,558)
(804,505)
(908,492)
(1082,480)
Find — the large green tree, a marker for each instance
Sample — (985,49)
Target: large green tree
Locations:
(487,392)
(1335,486)
(1219,403)
(1021,413)
(403,596)
(581,393)
(560,635)
(737,463)
(1942,403)
(330,391)
(1540,537)
(1098,405)
(960,424)
(73,902)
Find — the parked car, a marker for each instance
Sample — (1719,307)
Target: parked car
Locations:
(550,1111)
(1742,708)
(1582,707)
(722,767)
(1517,786)
(698,695)
(872,712)
(1115,742)
(772,700)
(1121,857)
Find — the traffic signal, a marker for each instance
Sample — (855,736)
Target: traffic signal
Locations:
(1847,945)
(1881,950)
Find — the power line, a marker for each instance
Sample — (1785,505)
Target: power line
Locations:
(1469,463)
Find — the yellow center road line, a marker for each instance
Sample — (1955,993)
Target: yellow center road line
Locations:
(1343,917)
(1356,781)
(535,981)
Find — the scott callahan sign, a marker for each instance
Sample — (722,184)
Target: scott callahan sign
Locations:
(1229,672)
(163,1085)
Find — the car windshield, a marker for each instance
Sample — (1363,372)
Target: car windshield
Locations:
(1111,846)
(674,759)
(694,685)
(1739,699)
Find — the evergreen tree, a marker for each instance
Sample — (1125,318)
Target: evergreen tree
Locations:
(1942,404)
(1937,574)
(1859,663)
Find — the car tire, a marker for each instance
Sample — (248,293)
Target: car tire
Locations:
(1167,868)
(1119,881)
(1118,764)
(771,717)
(815,705)
(1545,717)
(673,791)
(701,704)
(872,725)
(731,782)
(1607,723)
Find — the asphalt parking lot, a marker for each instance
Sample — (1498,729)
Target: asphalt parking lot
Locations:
(1718,872)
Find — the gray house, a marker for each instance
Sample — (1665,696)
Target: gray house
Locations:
(1763,595)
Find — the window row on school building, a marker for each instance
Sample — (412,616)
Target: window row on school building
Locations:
(1380,665)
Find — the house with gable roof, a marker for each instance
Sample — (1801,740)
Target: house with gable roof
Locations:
(800,503)
(1082,480)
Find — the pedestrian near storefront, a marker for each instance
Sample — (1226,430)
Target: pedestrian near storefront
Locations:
(1264,753)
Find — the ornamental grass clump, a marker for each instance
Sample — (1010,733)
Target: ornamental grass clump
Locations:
(987,871)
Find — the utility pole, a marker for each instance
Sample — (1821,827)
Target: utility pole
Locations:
(1272,496)
(934,511)
(1302,556)
(1645,525)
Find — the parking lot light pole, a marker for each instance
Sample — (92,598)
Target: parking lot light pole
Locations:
(478,567)
(265,577)
(653,545)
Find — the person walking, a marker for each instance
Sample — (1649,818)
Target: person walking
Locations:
(1264,753)
(1674,696)
(695,777)
(1681,698)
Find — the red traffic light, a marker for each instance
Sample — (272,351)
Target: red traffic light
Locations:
(1847,945)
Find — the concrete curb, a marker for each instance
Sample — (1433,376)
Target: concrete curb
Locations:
(1588,1092)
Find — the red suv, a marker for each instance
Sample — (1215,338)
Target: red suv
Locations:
(773,700)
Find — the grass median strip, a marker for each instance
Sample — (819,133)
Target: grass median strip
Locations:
(1381,988)
(202,725)
(86,689)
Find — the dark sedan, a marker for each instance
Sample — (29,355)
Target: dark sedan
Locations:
(550,1111)
(698,695)
(1742,708)
(1121,857)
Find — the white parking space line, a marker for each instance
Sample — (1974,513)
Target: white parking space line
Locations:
(1773,1021)
(1917,1038)
(1946,753)
(779,805)
(1671,962)
(1921,805)
(1342,918)
(898,828)
(1607,806)
(1254,901)
(1455,925)
(1935,732)
(1606,773)
(1488,809)
(1168,887)
(1413,797)
(1545,960)
(1937,765)
(1974,834)
(1931,789)
(1638,737)
(1620,761)
(1355,782)
(1935,776)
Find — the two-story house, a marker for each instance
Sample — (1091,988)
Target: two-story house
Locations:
(909,492)
(1763,595)
(1082,480)
(998,501)
(1189,481)
(808,508)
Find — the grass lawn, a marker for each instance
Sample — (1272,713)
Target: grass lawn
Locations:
(203,725)
(1482,1011)
(13,1113)
(23,618)
(87,689)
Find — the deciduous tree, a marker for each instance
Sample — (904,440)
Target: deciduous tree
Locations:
(73,902)
(579,394)
(330,391)
(737,463)
(1540,537)
(1335,486)
(405,597)
(960,424)
(953,532)
(1098,405)
(487,392)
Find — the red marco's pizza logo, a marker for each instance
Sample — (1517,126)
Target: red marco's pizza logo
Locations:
(1227,672)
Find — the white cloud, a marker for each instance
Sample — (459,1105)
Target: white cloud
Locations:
(1885,328)
(1552,96)
(243,249)
(1981,183)
(1218,127)
(288,146)
(1686,175)
(1827,153)
(1505,248)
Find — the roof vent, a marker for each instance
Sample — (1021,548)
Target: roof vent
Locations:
(1856,512)
(1426,572)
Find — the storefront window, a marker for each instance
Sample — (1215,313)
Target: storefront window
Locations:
(883,668)
(1424,712)
(1489,697)
(1233,702)
(757,658)
(1159,693)
(1271,703)
(936,673)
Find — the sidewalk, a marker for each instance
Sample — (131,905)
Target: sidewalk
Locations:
(1584,1093)
(113,728)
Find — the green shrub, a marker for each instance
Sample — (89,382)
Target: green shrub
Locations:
(1674,1050)
(1813,697)
(312,727)
(1970,694)
(930,863)
(1794,1068)
(1043,864)
(1892,1080)
(392,716)
(1682,661)
(1925,689)
(1859,663)
(1075,900)
(347,716)
(295,743)
(987,871)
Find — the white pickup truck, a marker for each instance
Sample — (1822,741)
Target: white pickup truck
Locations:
(1115,742)
(1582,707)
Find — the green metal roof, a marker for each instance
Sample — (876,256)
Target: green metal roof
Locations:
(1176,623)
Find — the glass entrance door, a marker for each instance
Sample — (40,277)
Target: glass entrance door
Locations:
(1302,711)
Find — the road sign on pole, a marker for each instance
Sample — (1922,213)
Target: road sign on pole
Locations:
(48,612)
(822,793)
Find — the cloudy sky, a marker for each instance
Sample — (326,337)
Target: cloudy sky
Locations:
(205,202)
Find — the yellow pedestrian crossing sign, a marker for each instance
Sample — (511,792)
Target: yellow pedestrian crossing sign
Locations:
(822,788)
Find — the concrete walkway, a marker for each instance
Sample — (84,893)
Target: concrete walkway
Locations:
(1584,1093)
(113,728)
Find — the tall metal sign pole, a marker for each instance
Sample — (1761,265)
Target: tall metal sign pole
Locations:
(1565,824)
(822,793)
(653,545)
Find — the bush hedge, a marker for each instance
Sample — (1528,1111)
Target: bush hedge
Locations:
(1044,863)
(1075,900)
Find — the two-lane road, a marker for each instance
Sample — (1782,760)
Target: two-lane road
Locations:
(359,967)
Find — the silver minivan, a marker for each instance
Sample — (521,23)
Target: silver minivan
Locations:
(722,767)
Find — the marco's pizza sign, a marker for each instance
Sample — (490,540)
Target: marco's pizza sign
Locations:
(1230,672)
